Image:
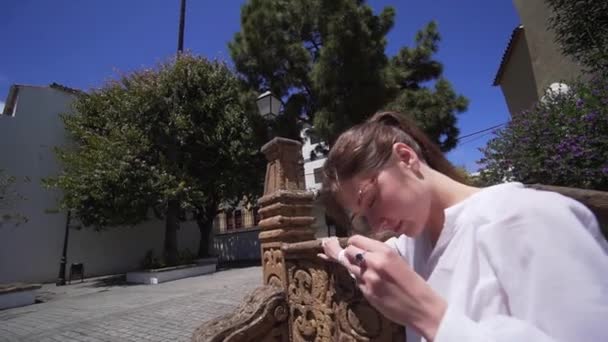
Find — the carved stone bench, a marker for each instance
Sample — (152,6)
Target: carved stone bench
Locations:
(319,303)
(304,298)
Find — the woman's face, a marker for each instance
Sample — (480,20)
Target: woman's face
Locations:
(397,198)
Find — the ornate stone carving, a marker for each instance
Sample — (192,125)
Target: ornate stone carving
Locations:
(307,299)
(356,319)
(284,170)
(285,208)
(309,302)
(262,317)
(325,303)
(274,267)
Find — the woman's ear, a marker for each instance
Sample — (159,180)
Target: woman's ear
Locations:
(407,155)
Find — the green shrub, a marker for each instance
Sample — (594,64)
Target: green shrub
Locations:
(152,261)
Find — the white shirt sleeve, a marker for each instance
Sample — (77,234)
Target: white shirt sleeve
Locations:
(400,245)
(553,267)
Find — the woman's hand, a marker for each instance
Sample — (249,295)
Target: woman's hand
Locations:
(393,287)
(331,249)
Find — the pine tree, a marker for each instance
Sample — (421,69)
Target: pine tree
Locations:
(326,59)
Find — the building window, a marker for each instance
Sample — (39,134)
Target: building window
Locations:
(314,139)
(229,220)
(216,223)
(318,175)
(238,219)
(256,216)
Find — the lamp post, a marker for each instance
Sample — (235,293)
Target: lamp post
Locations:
(182,22)
(285,207)
(64,258)
(269,105)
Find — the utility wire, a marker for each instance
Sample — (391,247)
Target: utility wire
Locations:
(464,136)
(481,131)
(474,139)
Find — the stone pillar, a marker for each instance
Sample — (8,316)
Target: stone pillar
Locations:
(285,208)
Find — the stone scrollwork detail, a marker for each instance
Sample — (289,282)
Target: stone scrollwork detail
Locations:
(273,265)
(356,319)
(311,317)
(261,317)
(326,305)
(304,297)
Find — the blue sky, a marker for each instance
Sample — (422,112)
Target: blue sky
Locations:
(83,43)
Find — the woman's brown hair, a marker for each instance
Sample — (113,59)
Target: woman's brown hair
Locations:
(367,147)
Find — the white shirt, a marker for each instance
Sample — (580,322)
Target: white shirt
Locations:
(516,264)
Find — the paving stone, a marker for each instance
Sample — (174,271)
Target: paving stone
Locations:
(130,313)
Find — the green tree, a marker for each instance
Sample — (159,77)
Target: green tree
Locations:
(128,133)
(326,59)
(581,30)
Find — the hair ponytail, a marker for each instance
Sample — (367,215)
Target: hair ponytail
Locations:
(429,151)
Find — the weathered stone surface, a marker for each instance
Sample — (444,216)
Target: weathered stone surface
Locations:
(284,170)
(285,234)
(282,208)
(596,201)
(285,208)
(325,303)
(261,317)
(280,221)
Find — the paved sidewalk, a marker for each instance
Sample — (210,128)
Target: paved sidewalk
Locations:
(105,311)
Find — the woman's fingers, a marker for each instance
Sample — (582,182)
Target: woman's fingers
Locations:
(351,262)
(331,247)
(360,254)
(324,257)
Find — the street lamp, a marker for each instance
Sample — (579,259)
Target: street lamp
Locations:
(64,258)
(268,105)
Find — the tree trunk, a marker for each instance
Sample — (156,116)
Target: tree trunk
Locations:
(171,227)
(204,220)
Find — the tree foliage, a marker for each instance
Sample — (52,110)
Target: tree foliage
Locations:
(326,59)
(120,167)
(581,29)
(563,141)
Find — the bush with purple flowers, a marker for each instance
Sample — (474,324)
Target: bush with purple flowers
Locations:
(563,141)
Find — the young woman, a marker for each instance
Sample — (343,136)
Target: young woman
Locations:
(503,263)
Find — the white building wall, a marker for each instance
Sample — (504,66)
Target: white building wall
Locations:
(309,180)
(310,165)
(31,252)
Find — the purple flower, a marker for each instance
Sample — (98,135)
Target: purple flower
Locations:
(590,117)
(605,170)
(579,103)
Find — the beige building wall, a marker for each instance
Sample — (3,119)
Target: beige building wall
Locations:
(548,63)
(517,83)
